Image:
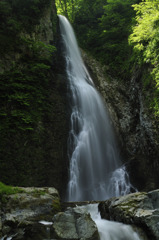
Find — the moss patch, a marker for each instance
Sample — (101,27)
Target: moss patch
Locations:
(8,190)
(56,205)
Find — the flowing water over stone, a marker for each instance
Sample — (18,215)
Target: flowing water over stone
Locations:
(109,230)
(96,171)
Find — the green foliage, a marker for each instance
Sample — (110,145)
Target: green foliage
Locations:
(56,205)
(8,190)
(145,33)
(103,28)
(18,91)
(38,193)
(67,8)
(145,39)
(9,27)
(86,23)
(25,107)
(115,28)
(28,12)
(25,91)
(18,16)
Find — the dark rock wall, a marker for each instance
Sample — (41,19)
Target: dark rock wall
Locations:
(33,152)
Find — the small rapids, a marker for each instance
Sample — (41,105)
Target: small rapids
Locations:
(109,230)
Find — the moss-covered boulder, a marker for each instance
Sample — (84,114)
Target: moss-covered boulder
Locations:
(139,209)
(26,214)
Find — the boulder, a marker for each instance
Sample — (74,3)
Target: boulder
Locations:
(140,209)
(73,224)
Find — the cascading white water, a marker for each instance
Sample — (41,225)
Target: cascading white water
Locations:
(109,230)
(96,172)
(95,165)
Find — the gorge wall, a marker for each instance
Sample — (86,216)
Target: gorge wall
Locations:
(135,125)
(33,113)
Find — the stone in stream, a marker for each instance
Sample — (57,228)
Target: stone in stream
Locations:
(75,224)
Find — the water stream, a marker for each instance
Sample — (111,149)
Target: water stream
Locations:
(109,230)
(96,171)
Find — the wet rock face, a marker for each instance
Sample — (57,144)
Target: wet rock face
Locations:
(74,224)
(139,209)
(134,125)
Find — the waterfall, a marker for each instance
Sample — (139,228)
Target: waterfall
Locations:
(95,172)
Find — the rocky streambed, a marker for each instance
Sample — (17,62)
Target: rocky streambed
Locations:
(38,214)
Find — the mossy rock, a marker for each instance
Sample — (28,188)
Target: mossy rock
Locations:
(56,205)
